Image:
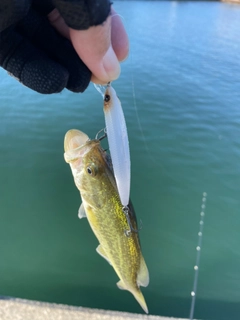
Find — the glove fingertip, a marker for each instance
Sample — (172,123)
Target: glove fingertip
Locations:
(44,76)
(79,79)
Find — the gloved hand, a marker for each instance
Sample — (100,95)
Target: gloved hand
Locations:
(41,57)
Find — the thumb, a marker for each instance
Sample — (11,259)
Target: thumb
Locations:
(95,49)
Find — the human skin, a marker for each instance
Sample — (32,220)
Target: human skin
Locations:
(100,47)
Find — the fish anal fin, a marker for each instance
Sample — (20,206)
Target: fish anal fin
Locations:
(143,275)
(102,253)
(121,285)
(82,212)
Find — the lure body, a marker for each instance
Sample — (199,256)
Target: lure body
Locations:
(102,207)
(118,143)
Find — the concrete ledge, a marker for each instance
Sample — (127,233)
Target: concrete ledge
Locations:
(231,1)
(19,309)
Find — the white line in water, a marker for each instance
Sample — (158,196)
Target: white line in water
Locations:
(198,248)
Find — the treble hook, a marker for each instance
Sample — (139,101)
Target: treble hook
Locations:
(103,136)
(131,229)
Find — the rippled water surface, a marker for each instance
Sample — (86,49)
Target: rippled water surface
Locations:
(184,135)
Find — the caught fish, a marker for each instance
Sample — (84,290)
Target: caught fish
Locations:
(118,142)
(102,206)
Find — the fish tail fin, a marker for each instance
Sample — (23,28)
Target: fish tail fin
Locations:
(137,293)
(140,299)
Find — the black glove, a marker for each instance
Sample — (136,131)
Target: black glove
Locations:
(33,52)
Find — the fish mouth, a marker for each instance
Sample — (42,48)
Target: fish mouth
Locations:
(73,142)
(74,139)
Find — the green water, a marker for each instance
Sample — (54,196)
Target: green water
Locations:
(185,65)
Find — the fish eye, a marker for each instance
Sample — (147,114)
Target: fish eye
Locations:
(91,169)
(107,98)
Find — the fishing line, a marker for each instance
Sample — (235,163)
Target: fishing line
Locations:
(136,111)
(100,88)
(118,15)
(157,162)
(149,152)
(198,249)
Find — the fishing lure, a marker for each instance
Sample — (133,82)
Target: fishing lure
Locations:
(118,144)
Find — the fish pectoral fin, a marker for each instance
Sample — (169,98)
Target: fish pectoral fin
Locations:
(102,253)
(143,275)
(121,285)
(82,212)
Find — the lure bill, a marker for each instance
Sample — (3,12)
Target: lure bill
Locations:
(118,143)
(102,206)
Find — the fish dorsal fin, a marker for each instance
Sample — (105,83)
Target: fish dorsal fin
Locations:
(102,253)
(143,275)
(82,212)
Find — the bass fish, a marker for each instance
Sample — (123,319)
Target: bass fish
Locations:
(114,227)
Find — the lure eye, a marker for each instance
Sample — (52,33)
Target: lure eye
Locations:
(107,98)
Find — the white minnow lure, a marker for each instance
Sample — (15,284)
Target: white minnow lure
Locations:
(118,143)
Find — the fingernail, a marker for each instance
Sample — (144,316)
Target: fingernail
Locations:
(111,64)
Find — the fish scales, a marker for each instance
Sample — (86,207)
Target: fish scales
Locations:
(110,230)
